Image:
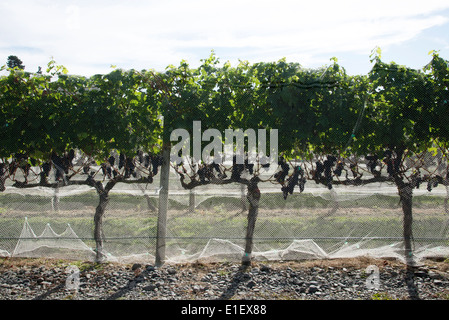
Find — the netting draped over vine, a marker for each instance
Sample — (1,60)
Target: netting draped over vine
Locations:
(362,168)
(209,223)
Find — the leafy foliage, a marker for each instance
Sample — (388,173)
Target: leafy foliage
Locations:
(46,117)
(334,129)
(337,126)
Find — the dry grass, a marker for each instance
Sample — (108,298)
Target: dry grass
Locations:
(340,263)
(201,267)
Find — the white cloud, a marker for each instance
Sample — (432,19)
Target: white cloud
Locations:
(88,36)
(73,17)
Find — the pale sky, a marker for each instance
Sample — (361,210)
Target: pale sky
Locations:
(87,37)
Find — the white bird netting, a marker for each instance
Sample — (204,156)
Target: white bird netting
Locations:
(210,222)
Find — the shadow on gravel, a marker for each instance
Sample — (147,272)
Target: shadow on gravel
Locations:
(131,284)
(59,287)
(45,295)
(239,278)
(413,292)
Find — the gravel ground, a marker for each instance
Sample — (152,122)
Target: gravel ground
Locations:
(340,279)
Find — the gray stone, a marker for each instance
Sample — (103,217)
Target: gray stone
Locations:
(171,271)
(150,287)
(312,289)
(149,268)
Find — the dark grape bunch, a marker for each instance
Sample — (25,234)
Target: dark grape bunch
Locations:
(128,165)
(20,161)
(280,175)
(354,169)
(325,167)
(432,183)
(417,178)
(328,165)
(296,179)
(46,168)
(237,169)
(205,172)
(62,163)
(156,162)
(390,159)
(392,163)
(208,172)
(289,183)
(373,163)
